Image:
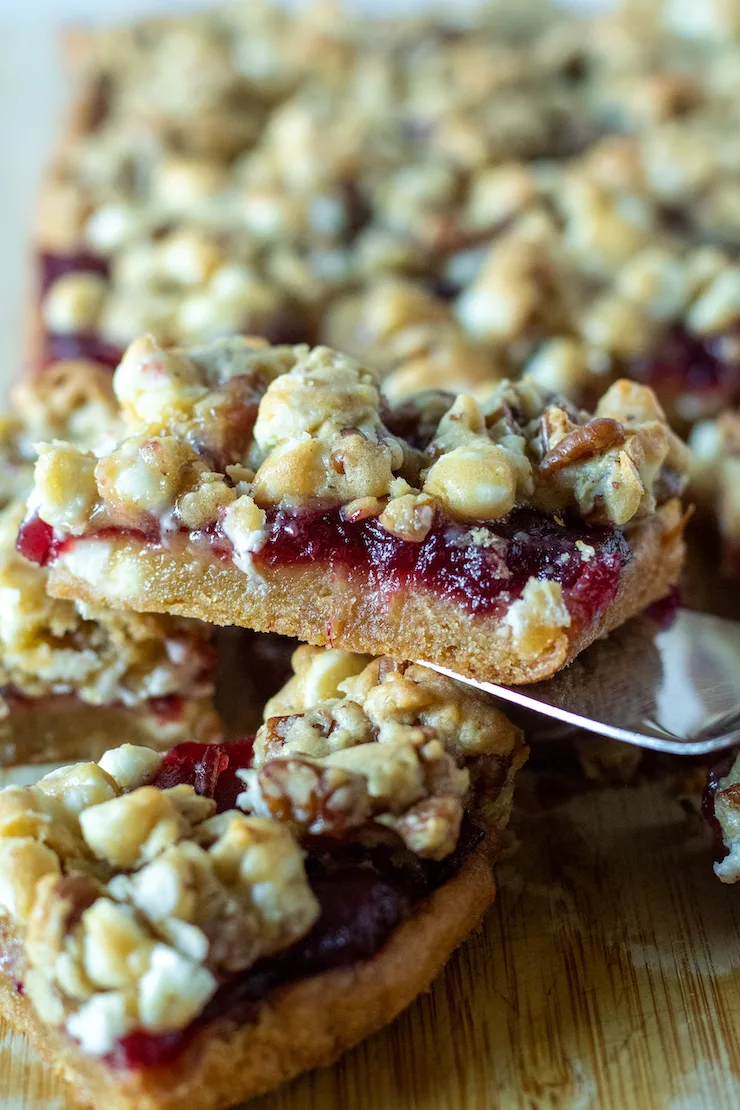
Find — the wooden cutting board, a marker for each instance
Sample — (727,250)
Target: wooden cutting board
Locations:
(606,976)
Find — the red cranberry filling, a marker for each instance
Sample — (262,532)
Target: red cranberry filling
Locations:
(483,578)
(687,364)
(35,541)
(209,768)
(359,911)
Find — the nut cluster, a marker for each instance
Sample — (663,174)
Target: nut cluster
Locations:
(351,741)
(450,203)
(134,901)
(221,434)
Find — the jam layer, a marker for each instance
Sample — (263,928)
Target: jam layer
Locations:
(483,569)
(688,364)
(83,345)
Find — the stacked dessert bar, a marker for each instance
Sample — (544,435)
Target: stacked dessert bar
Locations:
(201,926)
(388,305)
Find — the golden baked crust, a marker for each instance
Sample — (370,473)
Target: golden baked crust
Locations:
(300,1026)
(322,607)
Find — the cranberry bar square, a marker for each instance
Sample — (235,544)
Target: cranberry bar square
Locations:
(196,928)
(75,678)
(271,487)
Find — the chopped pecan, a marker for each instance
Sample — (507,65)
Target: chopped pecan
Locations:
(319,801)
(590,439)
(277,730)
(430,828)
(730,794)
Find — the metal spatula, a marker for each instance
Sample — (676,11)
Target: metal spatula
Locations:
(674,689)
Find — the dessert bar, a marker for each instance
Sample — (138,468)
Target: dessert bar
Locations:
(196,928)
(452,200)
(76,678)
(271,487)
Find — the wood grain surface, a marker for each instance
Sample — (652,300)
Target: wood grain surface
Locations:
(605,976)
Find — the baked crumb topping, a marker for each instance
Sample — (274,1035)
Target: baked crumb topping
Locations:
(223,433)
(453,202)
(350,740)
(135,899)
(72,400)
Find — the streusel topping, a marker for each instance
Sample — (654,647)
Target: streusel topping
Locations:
(453,202)
(221,434)
(134,900)
(72,401)
(350,741)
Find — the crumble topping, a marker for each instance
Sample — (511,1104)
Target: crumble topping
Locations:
(135,899)
(220,434)
(71,400)
(49,646)
(349,738)
(452,201)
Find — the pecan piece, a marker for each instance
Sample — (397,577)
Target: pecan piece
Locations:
(277,730)
(317,801)
(430,828)
(731,794)
(590,439)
